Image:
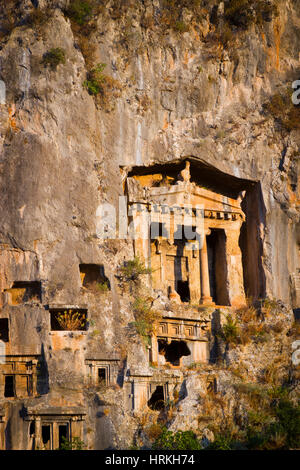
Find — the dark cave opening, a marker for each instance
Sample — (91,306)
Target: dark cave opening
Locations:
(9,387)
(173,351)
(93,276)
(217,263)
(4,332)
(62,434)
(157,400)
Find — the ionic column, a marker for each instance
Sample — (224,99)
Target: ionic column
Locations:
(205,289)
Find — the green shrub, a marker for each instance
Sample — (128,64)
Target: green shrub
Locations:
(102,86)
(180,440)
(75,444)
(80,11)
(271,427)
(102,286)
(230,331)
(288,417)
(133,269)
(95,79)
(181,27)
(54,57)
(283,432)
(223,441)
(38,17)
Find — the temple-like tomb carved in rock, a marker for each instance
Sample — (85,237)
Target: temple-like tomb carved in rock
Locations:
(102,371)
(18,376)
(189,233)
(150,390)
(180,342)
(49,427)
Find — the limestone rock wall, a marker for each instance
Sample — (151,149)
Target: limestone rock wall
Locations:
(178,95)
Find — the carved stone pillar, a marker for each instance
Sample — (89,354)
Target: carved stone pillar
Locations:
(205,288)
(55,436)
(38,433)
(2,433)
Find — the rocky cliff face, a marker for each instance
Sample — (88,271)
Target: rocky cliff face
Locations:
(178,81)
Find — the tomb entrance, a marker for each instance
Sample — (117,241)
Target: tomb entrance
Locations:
(18,376)
(93,277)
(173,351)
(179,342)
(102,371)
(22,292)
(150,390)
(49,428)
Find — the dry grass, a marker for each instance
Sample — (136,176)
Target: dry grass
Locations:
(276,372)
(38,18)
(255,394)
(98,287)
(88,50)
(146,318)
(251,323)
(240,372)
(154,431)
(295,329)
(284,112)
(144,102)
(269,306)
(69,320)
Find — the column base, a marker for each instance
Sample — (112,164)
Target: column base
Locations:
(207,301)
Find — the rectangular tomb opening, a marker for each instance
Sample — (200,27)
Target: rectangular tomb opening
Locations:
(18,376)
(9,386)
(47,436)
(217,264)
(102,379)
(4,332)
(52,427)
(24,291)
(173,351)
(157,399)
(93,277)
(62,434)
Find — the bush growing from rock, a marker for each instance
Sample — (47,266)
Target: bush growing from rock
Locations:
(80,11)
(179,440)
(54,57)
(133,269)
